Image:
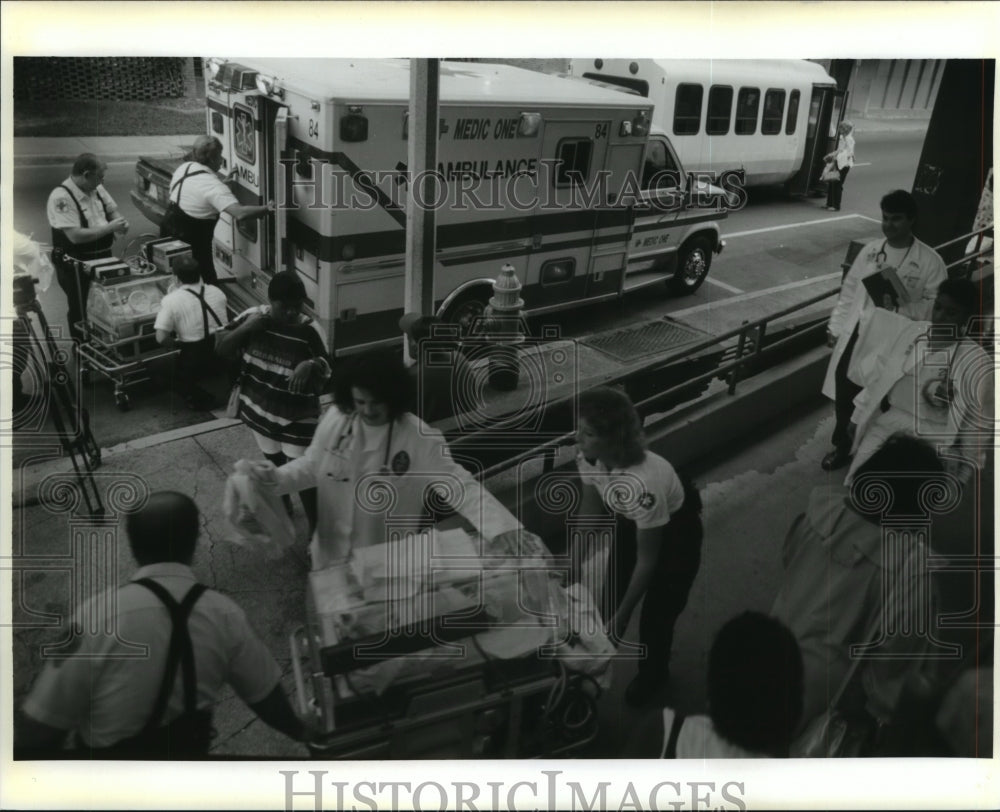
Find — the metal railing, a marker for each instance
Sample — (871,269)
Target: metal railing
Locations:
(747,351)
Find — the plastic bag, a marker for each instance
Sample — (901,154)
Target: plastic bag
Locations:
(254,510)
(29,258)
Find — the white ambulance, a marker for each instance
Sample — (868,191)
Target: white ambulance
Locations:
(559,178)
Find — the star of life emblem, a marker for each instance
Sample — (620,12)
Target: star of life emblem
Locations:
(245,138)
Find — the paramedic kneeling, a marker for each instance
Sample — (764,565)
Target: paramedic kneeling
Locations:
(157,706)
(372,461)
(188,317)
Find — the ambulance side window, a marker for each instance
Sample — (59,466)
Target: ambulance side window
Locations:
(659,170)
(573,161)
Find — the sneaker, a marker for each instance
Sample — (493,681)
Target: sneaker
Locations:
(643,690)
(838,458)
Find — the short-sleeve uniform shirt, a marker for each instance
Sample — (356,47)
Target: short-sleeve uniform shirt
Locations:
(648,493)
(180,312)
(202,195)
(63,213)
(108,695)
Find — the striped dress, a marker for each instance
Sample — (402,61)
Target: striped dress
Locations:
(268,361)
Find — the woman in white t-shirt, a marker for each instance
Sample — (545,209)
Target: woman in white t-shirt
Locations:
(843,157)
(657,544)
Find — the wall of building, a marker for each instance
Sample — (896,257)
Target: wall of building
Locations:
(894,88)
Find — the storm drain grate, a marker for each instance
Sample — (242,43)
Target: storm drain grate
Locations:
(630,343)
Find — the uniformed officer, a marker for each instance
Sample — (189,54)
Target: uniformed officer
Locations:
(371,460)
(197,196)
(197,639)
(657,545)
(84,220)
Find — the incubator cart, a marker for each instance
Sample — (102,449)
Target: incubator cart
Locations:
(120,340)
(438,646)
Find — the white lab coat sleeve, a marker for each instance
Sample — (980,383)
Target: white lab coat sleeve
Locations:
(849,291)
(302,473)
(475,503)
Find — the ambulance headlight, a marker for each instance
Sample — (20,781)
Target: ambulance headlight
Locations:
(213,66)
(625,129)
(529,125)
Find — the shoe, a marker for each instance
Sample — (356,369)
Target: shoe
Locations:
(837,458)
(643,690)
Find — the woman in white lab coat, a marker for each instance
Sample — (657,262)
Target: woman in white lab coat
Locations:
(375,466)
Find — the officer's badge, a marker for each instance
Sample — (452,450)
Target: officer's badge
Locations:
(401,463)
(647,500)
(61,206)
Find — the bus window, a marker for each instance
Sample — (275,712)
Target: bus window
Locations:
(720,106)
(659,170)
(687,109)
(793,113)
(774,111)
(747,104)
(572,161)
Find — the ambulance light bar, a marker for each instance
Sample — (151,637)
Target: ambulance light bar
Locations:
(268,86)
(638,126)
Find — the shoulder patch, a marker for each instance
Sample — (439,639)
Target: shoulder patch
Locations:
(647,500)
(61,205)
(401,463)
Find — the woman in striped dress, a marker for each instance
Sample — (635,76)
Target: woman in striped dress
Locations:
(283,368)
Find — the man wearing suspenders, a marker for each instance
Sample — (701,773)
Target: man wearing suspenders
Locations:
(84,220)
(188,318)
(158,706)
(197,196)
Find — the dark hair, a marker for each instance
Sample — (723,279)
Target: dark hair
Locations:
(382,374)
(962,292)
(187,270)
(86,162)
(903,463)
(286,286)
(164,529)
(614,419)
(899,201)
(755,683)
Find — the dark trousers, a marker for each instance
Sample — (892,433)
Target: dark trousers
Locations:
(195,360)
(198,234)
(835,189)
(21,352)
(76,286)
(845,390)
(667,595)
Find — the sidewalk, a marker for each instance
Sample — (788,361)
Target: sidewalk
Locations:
(28,151)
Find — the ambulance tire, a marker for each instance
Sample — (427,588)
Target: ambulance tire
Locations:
(466,309)
(692,266)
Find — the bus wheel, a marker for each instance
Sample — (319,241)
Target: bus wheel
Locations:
(467,310)
(692,266)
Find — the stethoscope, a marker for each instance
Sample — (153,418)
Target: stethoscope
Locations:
(882,256)
(348,433)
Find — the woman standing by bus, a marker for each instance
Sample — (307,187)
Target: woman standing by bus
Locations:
(843,159)
(657,545)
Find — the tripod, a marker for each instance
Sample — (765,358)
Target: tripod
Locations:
(71,421)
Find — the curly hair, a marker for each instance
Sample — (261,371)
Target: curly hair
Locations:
(755,683)
(611,415)
(382,374)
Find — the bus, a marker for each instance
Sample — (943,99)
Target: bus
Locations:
(774,119)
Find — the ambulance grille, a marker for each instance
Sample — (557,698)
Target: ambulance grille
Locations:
(641,340)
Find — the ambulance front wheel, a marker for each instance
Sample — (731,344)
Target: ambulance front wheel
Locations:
(692,266)
(467,310)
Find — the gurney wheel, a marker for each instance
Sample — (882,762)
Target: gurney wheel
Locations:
(122,402)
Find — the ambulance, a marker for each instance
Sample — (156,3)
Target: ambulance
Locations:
(559,178)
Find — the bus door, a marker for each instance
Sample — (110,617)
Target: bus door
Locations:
(257,140)
(571,191)
(826,110)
